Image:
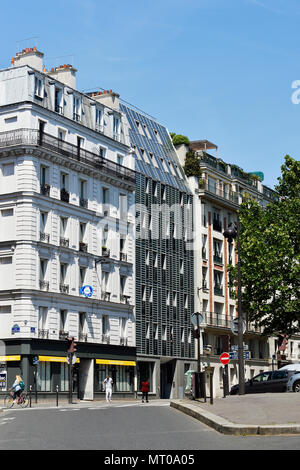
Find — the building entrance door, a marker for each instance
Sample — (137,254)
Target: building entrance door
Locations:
(167,370)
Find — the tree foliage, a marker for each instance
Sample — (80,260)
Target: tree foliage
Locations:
(192,165)
(270,256)
(179,139)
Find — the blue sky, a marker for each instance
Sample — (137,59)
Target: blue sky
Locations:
(220,70)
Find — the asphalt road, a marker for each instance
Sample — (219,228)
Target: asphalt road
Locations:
(127,426)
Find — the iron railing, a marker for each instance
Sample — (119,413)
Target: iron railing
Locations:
(40,139)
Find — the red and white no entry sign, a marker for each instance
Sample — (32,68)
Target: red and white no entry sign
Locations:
(224,358)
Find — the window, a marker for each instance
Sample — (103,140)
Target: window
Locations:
(102,152)
(123,206)
(82,322)
(42,322)
(99,120)
(64,180)
(43,269)
(82,274)
(120,159)
(7,212)
(8,169)
(76,108)
(63,272)
(58,100)
(38,87)
(63,226)
(64,377)
(83,202)
(105,324)
(63,314)
(43,376)
(116,127)
(82,230)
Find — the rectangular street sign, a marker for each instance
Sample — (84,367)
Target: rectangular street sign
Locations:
(234,355)
(235,347)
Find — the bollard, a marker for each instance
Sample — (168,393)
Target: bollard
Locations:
(56,395)
(30,390)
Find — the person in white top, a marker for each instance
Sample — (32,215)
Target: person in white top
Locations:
(107,384)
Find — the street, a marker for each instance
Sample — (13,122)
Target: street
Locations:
(121,426)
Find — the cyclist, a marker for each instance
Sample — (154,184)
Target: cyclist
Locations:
(17,387)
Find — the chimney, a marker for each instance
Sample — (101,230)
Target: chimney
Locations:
(29,56)
(108,98)
(65,74)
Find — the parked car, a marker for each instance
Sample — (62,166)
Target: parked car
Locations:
(293,384)
(267,382)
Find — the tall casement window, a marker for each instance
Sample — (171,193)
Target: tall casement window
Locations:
(116,127)
(76,108)
(58,100)
(99,120)
(38,87)
(43,376)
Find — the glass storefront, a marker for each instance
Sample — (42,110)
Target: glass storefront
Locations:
(122,377)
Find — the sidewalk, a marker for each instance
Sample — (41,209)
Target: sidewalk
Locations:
(264,414)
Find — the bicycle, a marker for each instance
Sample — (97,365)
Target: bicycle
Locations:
(21,400)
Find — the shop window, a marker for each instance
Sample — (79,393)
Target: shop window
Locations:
(64,377)
(44,377)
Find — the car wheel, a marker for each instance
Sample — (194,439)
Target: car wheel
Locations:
(296,386)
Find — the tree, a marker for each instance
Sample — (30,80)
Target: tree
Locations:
(270,256)
(192,165)
(179,139)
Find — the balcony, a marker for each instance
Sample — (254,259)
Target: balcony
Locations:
(82,337)
(59,109)
(64,242)
(64,195)
(44,285)
(123,341)
(76,117)
(83,202)
(124,299)
(45,189)
(63,334)
(105,339)
(218,259)
(218,290)
(44,237)
(217,320)
(64,288)
(43,334)
(83,247)
(123,256)
(105,296)
(218,193)
(33,137)
(105,252)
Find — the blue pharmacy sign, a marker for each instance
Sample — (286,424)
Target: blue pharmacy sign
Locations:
(86,291)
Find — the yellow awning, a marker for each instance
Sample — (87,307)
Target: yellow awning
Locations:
(10,358)
(115,362)
(54,359)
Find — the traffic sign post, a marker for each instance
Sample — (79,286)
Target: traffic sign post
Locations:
(225,359)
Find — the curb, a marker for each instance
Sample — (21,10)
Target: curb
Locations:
(224,426)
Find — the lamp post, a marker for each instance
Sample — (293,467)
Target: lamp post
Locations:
(233,232)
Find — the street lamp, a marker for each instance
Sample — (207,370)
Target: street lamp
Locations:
(233,232)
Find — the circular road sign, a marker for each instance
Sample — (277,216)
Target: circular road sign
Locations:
(194,318)
(224,358)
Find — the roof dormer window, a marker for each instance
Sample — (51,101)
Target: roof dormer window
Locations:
(38,87)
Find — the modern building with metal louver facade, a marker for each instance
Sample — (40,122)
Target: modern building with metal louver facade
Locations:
(164,259)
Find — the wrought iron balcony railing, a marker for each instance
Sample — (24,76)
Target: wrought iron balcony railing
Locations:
(38,139)
(64,242)
(44,285)
(44,237)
